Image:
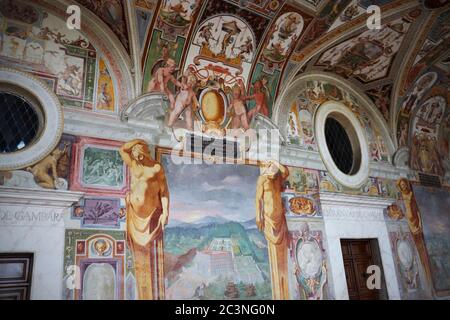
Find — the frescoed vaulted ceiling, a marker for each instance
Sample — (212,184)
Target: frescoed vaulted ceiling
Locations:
(113,13)
(270,42)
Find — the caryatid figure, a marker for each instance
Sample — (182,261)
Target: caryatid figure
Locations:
(147,206)
(270,218)
(415,223)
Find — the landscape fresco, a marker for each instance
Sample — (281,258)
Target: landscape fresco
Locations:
(434,205)
(213,249)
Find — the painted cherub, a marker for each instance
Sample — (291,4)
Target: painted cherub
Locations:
(260,97)
(161,79)
(237,106)
(185,100)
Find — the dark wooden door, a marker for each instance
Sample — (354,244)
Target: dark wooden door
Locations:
(15,275)
(358,255)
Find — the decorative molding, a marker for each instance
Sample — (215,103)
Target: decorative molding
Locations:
(401,158)
(353,207)
(147,111)
(88,124)
(334,198)
(135,48)
(352,213)
(38,198)
(53,118)
(386,171)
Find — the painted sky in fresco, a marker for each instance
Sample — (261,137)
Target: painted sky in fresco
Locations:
(201,190)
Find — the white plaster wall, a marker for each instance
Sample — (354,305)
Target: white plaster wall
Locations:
(350,221)
(47,244)
(46,241)
(33,221)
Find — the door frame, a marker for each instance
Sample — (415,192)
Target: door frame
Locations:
(357,217)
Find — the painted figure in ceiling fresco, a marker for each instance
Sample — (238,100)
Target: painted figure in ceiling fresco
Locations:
(368,55)
(112,13)
(425,155)
(260,98)
(179,12)
(71,77)
(292,125)
(382,98)
(362,53)
(231,30)
(422,85)
(37,41)
(205,33)
(161,79)
(285,33)
(227,39)
(186,101)
(403,133)
(246,48)
(415,223)
(166,50)
(147,207)
(105,94)
(271,220)
(238,108)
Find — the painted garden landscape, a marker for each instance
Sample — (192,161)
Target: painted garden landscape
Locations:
(332,118)
(213,249)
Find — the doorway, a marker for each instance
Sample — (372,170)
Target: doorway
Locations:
(358,254)
(15,275)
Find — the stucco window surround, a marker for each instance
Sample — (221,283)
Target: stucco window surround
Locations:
(49,112)
(359,172)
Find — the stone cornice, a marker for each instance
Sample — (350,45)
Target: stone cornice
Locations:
(340,199)
(36,197)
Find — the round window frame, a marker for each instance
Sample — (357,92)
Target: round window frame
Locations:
(47,104)
(356,135)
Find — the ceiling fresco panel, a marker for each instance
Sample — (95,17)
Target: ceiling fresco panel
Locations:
(369,55)
(113,13)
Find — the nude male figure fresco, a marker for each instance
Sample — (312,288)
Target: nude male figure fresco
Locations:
(147,207)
